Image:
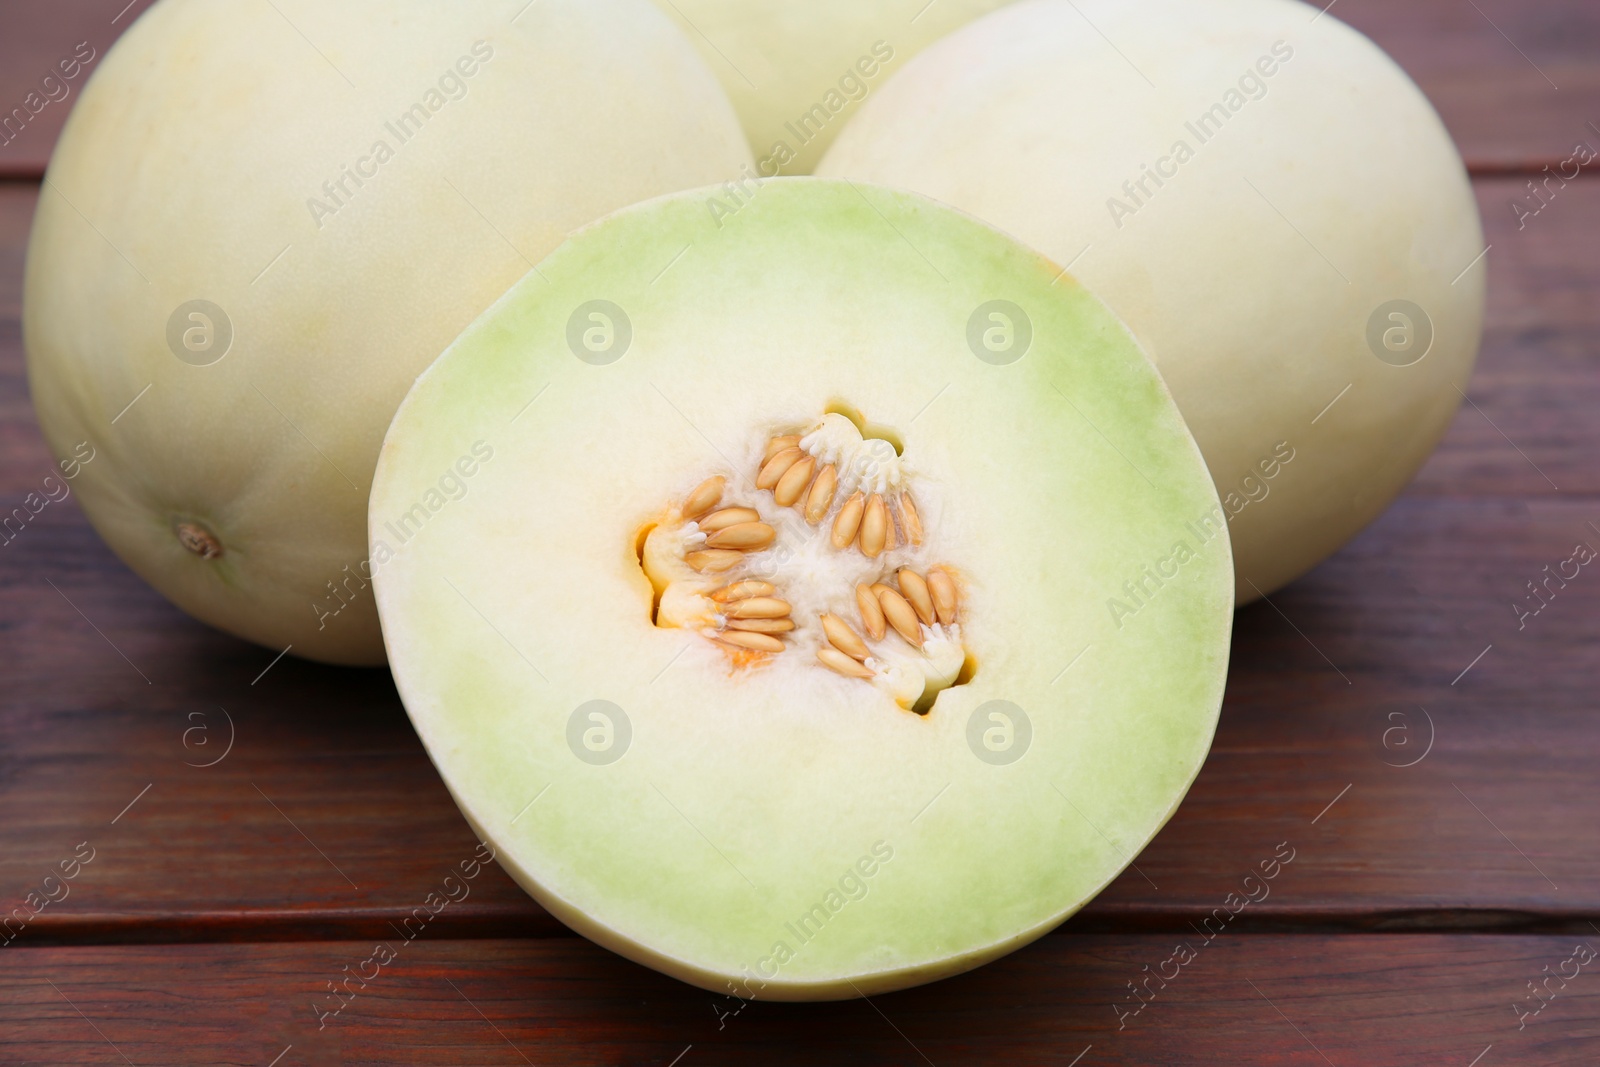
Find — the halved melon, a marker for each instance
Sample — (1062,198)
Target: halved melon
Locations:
(818,601)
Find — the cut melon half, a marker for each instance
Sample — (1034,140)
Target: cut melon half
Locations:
(806,603)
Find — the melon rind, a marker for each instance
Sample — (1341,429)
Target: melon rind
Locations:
(796,70)
(213,155)
(1321,189)
(745,797)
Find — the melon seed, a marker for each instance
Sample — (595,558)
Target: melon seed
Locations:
(843,638)
(848,521)
(840,663)
(704,497)
(776,467)
(778,444)
(871,612)
(762,626)
(753,641)
(722,519)
(820,499)
(900,615)
(910,520)
(874,527)
(757,607)
(740,590)
(746,536)
(793,482)
(713,560)
(916,591)
(943,589)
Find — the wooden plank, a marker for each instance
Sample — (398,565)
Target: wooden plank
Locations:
(1515,82)
(326,819)
(1532,432)
(1257,999)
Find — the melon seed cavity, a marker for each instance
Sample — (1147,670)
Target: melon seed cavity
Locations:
(826,520)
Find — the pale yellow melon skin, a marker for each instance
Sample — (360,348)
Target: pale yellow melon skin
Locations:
(185,172)
(1230,272)
(778,59)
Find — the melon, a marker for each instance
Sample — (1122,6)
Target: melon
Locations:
(837,600)
(263,220)
(1265,199)
(797,69)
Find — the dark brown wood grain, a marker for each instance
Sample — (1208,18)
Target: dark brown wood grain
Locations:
(1242,999)
(1516,83)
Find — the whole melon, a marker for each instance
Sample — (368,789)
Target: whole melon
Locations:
(797,69)
(1260,193)
(263,220)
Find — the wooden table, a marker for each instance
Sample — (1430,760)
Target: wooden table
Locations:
(1421,903)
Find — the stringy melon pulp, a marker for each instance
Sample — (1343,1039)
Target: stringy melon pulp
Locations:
(761,824)
(827,529)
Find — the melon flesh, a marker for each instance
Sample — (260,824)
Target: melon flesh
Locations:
(351,184)
(796,70)
(1252,186)
(762,825)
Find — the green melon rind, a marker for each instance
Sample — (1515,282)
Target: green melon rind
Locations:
(1006,853)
